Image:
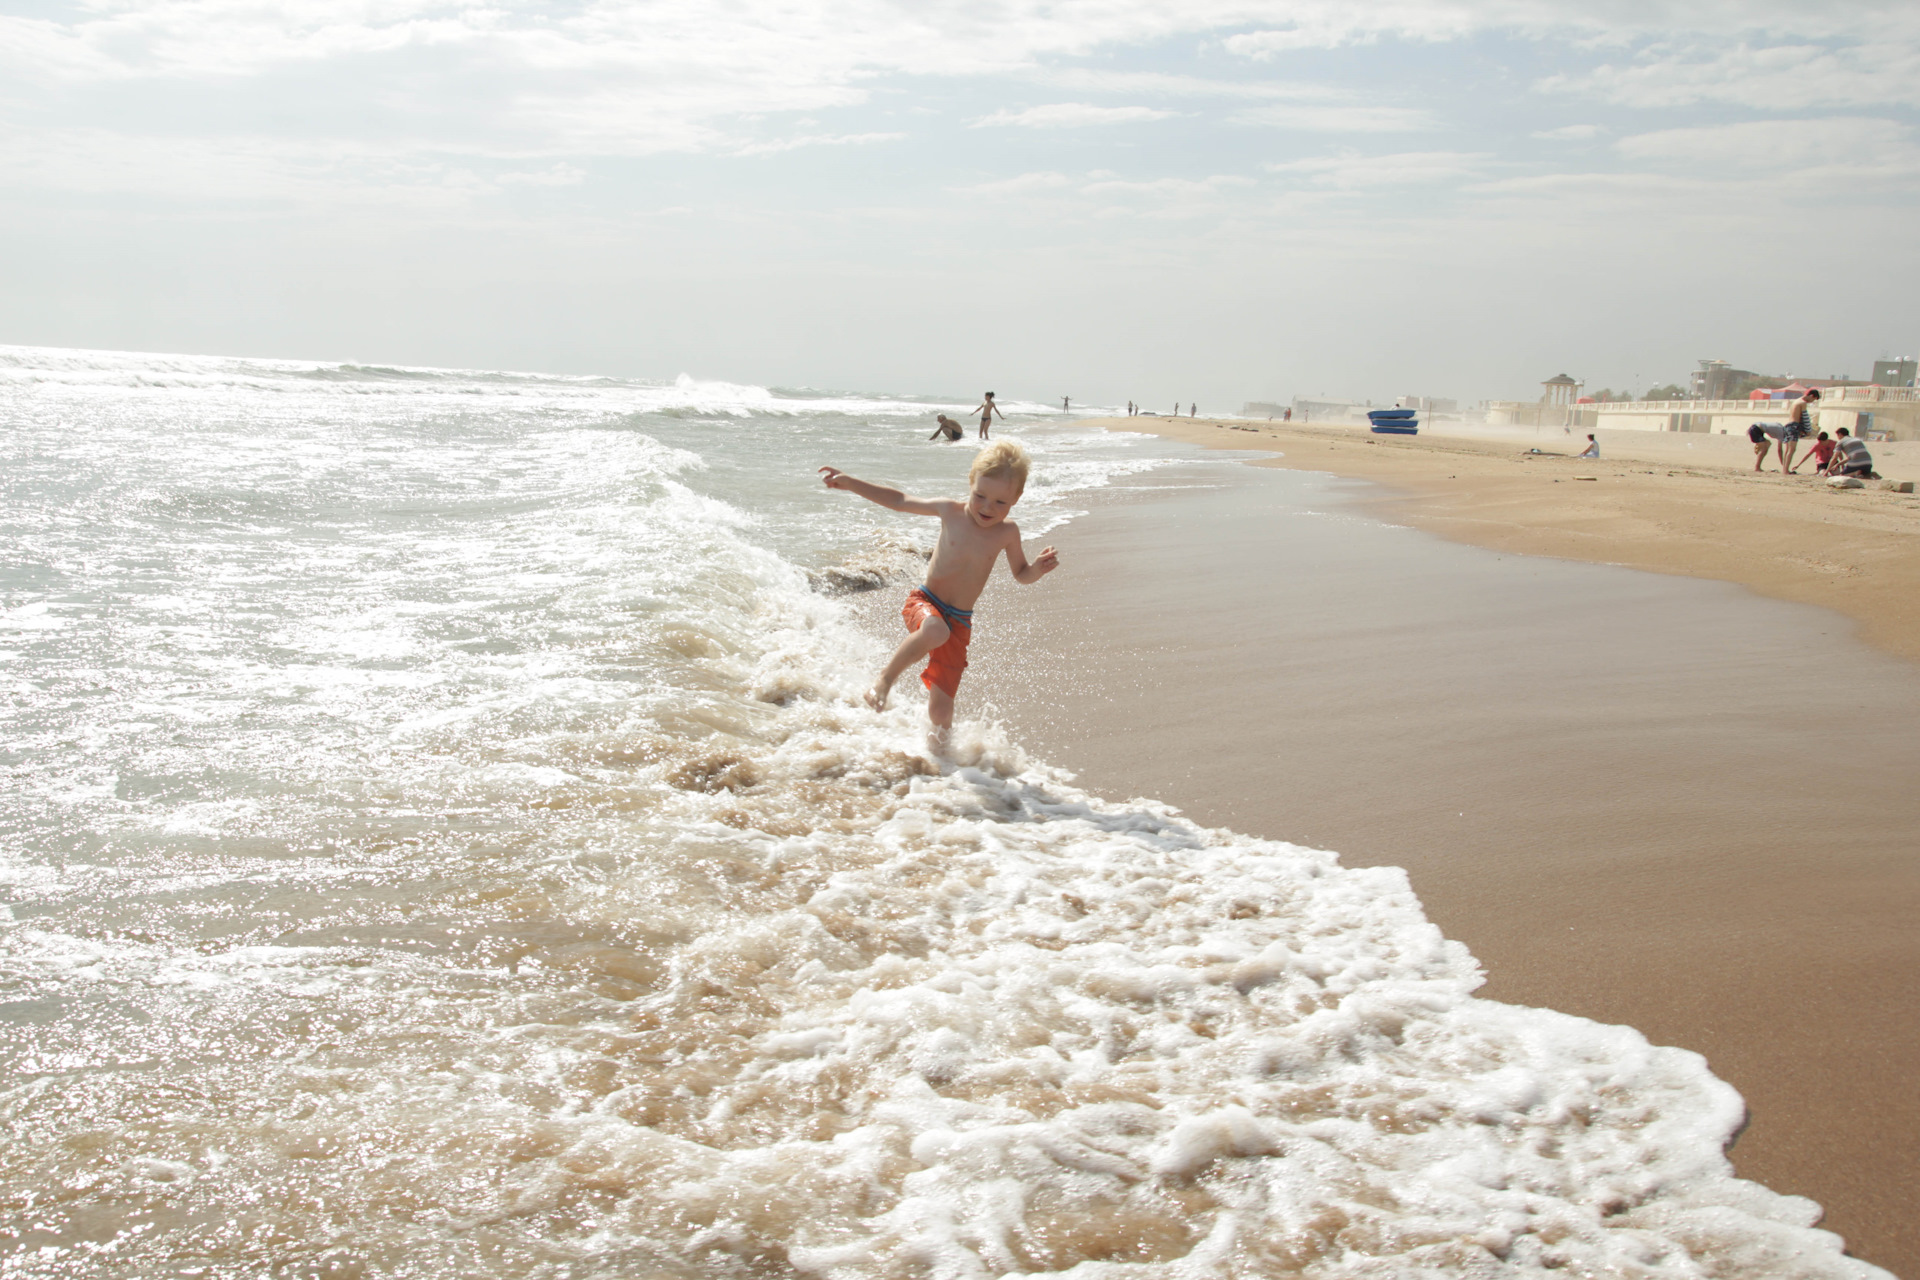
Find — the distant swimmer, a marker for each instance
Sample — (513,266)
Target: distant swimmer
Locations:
(973,533)
(1592,449)
(1064,406)
(986,409)
(948,428)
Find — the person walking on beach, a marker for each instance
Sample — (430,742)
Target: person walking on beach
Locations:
(986,409)
(973,534)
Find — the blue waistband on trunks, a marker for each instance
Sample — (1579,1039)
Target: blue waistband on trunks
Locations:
(962,616)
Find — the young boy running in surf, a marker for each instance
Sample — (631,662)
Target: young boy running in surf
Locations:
(939,616)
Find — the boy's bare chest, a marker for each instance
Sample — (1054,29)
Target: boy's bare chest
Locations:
(962,543)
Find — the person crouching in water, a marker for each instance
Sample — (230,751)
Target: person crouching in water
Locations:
(948,428)
(973,534)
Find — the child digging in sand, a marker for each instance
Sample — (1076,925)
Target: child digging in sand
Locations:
(973,533)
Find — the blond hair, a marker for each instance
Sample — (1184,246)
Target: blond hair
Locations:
(1001,458)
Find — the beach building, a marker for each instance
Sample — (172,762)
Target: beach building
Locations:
(1554,408)
(1718,380)
(1896,373)
(1324,410)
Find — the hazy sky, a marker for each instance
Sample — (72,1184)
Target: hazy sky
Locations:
(1102,198)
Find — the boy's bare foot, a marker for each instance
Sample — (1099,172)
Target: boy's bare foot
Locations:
(876,697)
(938,736)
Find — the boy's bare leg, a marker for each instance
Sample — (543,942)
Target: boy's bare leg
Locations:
(940,712)
(931,634)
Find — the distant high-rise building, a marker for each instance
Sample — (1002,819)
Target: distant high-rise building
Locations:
(1896,373)
(1718,380)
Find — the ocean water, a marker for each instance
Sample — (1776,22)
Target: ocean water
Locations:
(441,837)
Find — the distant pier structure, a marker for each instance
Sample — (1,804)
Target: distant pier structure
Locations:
(1559,391)
(1555,408)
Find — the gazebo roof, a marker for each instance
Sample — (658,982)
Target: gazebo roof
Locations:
(1561,380)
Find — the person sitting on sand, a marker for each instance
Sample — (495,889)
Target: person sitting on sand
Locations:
(1852,457)
(948,428)
(973,533)
(986,409)
(1821,451)
(1592,450)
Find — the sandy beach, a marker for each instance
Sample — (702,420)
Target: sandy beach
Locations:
(1617,788)
(1670,503)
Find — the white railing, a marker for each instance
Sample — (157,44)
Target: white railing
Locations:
(1689,406)
(1835,397)
(1895,395)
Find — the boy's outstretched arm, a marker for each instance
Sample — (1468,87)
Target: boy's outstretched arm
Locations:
(891,499)
(1029,572)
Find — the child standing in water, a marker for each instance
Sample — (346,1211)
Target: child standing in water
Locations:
(939,615)
(986,409)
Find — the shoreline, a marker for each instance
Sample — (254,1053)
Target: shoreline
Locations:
(1584,771)
(1679,504)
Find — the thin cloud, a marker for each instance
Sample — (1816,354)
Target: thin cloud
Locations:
(816,140)
(1777,77)
(1165,85)
(1337,118)
(1569,133)
(1864,145)
(1406,168)
(1069,115)
(1025,184)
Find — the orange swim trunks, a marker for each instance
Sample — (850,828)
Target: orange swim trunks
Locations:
(944,664)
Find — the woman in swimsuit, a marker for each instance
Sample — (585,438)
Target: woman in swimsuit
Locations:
(987,408)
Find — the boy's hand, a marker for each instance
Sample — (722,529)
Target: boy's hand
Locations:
(1046,562)
(831,474)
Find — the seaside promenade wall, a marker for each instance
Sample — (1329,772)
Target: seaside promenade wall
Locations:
(1878,413)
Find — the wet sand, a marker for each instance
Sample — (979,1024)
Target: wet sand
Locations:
(1633,796)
